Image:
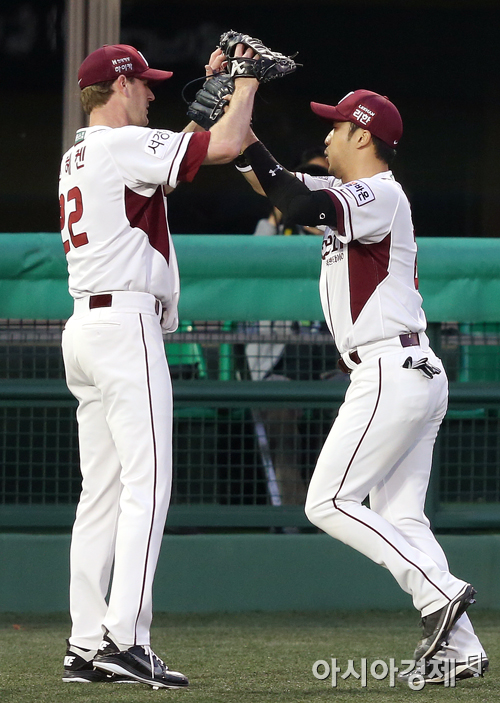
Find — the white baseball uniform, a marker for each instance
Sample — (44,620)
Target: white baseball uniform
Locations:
(382,440)
(123,276)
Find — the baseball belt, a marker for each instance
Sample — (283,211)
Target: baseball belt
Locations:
(105,300)
(408,339)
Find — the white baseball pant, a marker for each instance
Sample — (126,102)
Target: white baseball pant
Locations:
(116,368)
(381,445)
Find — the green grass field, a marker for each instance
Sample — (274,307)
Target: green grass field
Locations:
(242,658)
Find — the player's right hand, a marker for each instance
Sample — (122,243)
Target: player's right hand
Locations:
(248,53)
(216,63)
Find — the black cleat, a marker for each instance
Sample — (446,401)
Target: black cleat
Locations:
(78,670)
(139,663)
(446,671)
(436,626)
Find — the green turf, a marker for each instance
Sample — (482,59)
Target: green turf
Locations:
(238,658)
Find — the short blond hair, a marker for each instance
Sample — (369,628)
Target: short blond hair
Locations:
(96,95)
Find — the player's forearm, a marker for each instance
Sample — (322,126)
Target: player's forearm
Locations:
(246,170)
(244,166)
(297,203)
(250,138)
(254,181)
(228,134)
(192,127)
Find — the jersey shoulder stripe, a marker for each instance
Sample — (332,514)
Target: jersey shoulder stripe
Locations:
(343,210)
(194,156)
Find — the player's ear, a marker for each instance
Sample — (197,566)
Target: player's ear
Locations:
(363,138)
(121,85)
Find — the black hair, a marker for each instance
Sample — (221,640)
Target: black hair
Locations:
(383,151)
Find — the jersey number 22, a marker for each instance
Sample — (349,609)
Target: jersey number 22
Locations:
(78,240)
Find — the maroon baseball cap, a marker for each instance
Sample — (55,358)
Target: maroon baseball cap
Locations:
(113,60)
(370,110)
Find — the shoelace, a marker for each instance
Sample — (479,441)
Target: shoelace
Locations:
(152,656)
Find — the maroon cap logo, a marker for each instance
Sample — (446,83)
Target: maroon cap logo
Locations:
(123,65)
(363,115)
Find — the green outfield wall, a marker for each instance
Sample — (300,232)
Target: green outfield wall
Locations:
(244,572)
(246,278)
(240,277)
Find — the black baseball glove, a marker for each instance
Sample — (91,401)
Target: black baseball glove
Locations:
(267,67)
(209,102)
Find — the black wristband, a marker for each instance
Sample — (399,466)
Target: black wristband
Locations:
(242,164)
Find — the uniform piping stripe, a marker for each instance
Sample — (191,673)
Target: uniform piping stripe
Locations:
(339,211)
(341,195)
(173,160)
(361,521)
(155,463)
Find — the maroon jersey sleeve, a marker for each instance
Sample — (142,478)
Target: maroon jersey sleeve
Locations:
(194,156)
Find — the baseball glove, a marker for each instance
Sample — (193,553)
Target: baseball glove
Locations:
(209,102)
(267,67)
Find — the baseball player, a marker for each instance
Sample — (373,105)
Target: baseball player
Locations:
(381,443)
(124,279)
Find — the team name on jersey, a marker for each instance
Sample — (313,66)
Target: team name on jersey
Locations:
(157,144)
(332,249)
(362,193)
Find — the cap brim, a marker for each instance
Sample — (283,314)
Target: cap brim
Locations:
(154,75)
(328,112)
